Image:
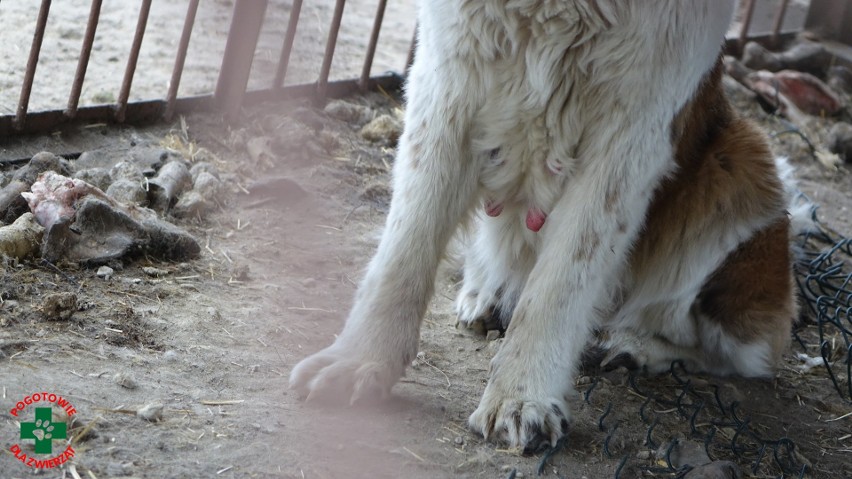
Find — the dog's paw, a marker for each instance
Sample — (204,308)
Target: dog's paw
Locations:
(337,376)
(477,311)
(530,425)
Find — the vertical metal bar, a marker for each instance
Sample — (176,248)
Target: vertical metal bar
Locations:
(124,94)
(239,54)
(779,21)
(83,62)
(32,62)
(322,83)
(287,48)
(180,60)
(411,49)
(746,26)
(371,47)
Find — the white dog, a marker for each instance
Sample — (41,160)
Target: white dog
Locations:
(620,192)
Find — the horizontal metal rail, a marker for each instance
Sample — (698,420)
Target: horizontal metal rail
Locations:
(152,111)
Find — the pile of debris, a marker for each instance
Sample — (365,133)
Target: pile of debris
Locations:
(104,206)
(802,83)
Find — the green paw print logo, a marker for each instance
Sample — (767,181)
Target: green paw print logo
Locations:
(43,430)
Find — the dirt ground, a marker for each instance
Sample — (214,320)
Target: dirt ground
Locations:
(213,340)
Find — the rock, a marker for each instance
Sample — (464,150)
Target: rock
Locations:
(105,272)
(203,167)
(806,56)
(348,112)
(839,141)
(201,199)
(126,170)
(803,56)
(128,191)
(151,412)
(684,453)
(165,188)
(99,177)
(22,238)
(207,184)
(147,159)
(384,129)
(715,470)
(756,57)
(154,272)
(192,204)
(125,380)
(59,306)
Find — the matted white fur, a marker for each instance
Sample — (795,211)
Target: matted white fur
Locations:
(554,116)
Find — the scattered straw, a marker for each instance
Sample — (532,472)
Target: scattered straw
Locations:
(413,454)
(73,470)
(223,402)
(848,414)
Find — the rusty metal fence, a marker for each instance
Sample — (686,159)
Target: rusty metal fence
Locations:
(231,92)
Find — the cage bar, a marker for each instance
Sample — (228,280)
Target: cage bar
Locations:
(374,40)
(287,48)
(322,83)
(779,21)
(32,63)
(124,93)
(746,25)
(83,62)
(180,60)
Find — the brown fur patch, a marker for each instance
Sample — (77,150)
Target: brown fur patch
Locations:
(726,175)
(752,294)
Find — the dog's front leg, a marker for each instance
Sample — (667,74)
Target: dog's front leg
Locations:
(584,246)
(433,186)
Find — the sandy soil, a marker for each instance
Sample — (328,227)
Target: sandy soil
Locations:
(67,22)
